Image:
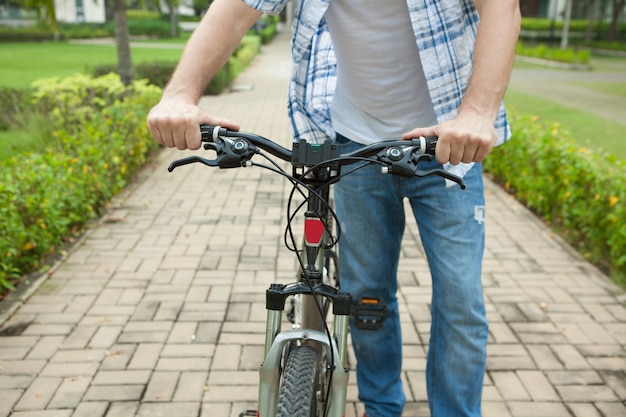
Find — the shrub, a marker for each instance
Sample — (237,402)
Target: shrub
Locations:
(86,30)
(266,27)
(137,14)
(607,45)
(154,28)
(159,72)
(26,34)
(545,24)
(138,25)
(580,192)
(156,73)
(249,48)
(542,28)
(576,25)
(567,55)
(97,140)
(13,103)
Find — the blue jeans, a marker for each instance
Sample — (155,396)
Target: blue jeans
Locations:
(451,224)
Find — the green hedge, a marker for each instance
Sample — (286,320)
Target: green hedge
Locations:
(159,72)
(27,34)
(140,23)
(266,27)
(576,25)
(86,30)
(137,26)
(139,14)
(579,191)
(567,55)
(151,28)
(97,140)
(540,29)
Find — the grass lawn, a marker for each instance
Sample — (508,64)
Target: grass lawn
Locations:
(22,63)
(587,129)
(616,89)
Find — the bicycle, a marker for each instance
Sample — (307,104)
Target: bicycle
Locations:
(303,372)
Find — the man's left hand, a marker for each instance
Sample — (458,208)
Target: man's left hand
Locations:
(467,138)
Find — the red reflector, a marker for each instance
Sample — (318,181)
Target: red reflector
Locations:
(313,231)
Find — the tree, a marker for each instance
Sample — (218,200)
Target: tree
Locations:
(200,6)
(46,12)
(591,13)
(173,6)
(122,41)
(566,22)
(618,7)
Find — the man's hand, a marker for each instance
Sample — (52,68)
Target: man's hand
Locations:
(468,138)
(471,135)
(177,124)
(176,120)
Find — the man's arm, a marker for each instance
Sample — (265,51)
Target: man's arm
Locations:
(471,135)
(175,120)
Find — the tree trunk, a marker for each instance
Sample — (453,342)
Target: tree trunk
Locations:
(122,40)
(174,18)
(618,6)
(591,12)
(568,18)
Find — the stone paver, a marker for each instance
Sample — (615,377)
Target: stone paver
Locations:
(159,309)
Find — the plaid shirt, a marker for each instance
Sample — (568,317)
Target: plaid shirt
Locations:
(445,33)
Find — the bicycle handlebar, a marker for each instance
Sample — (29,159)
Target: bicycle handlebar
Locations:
(399,157)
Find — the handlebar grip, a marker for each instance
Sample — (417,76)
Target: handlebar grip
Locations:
(430,145)
(211,133)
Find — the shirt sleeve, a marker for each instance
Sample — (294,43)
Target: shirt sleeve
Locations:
(272,7)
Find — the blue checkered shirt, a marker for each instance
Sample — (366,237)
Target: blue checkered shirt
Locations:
(445,33)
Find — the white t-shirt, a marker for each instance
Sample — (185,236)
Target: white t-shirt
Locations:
(381,89)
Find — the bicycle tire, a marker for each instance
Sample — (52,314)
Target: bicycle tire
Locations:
(298,393)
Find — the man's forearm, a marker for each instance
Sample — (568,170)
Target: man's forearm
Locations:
(494,53)
(209,48)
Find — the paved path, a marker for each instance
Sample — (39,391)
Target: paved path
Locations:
(158,311)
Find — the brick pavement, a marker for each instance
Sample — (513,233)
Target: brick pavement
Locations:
(159,311)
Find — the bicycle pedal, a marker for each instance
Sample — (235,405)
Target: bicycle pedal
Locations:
(369,313)
(249,413)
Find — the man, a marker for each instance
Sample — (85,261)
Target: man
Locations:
(370,70)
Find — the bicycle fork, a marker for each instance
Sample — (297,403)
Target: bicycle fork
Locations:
(276,342)
(313,292)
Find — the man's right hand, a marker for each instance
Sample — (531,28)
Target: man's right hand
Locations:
(176,124)
(176,120)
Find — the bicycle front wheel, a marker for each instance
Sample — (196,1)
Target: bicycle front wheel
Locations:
(301,383)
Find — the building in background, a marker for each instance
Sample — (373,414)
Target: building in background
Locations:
(79,11)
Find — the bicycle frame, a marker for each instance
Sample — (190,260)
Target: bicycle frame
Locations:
(309,326)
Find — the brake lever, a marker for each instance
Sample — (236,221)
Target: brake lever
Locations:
(228,154)
(217,147)
(191,160)
(441,173)
(405,162)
